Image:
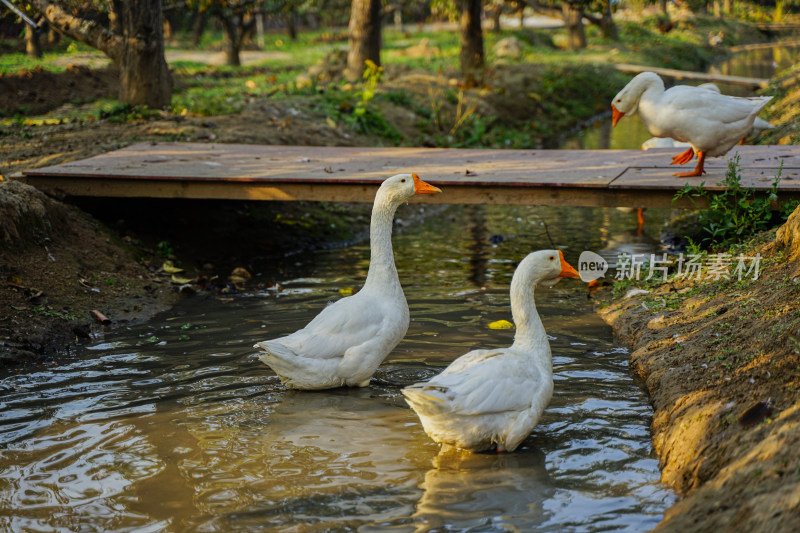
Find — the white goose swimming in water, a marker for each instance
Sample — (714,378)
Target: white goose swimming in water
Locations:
(712,123)
(345,343)
(492,399)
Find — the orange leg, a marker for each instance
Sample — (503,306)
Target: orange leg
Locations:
(698,171)
(683,157)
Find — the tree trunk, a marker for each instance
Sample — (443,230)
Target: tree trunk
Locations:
(472,56)
(291,23)
(662,6)
(607,25)
(260,29)
(727,6)
(573,20)
(198,28)
(138,49)
(145,78)
(493,13)
(231,41)
(32,45)
(365,37)
(397,17)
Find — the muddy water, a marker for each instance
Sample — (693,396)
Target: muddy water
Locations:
(175,424)
(630,132)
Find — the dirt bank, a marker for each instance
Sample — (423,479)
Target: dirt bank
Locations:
(57,264)
(721,360)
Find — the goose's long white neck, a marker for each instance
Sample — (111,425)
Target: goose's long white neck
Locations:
(382,271)
(652,89)
(530,336)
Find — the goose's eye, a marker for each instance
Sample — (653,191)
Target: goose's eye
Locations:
(552,258)
(403,180)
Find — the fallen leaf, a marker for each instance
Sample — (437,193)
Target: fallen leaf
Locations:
(170,268)
(250,84)
(331,122)
(180,281)
(501,324)
(347,291)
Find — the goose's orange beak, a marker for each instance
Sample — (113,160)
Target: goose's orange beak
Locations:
(566,269)
(421,187)
(616,115)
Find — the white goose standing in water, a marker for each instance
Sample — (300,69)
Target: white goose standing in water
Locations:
(345,343)
(712,123)
(492,399)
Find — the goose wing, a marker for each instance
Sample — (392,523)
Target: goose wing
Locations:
(711,105)
(485,382)
(348,322)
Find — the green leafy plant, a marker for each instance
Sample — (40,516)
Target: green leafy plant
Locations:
(164,249)
(372,75)
(127,113)
(736,212)
(365,116)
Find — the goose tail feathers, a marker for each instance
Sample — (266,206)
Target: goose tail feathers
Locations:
(427,400)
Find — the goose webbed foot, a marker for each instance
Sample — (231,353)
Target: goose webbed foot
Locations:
(683,157)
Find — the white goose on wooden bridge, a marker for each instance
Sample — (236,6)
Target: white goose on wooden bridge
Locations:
(712,123)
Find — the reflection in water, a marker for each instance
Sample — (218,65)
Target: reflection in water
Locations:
(477,259)
(337,453)
(473,491)
(629,242)
(762,63)
(175,425)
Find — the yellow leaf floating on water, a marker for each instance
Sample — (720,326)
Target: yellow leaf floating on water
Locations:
(501,324)
(347,291)
(180,281)
(169,268)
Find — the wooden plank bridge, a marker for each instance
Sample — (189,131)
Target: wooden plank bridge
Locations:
(607,178)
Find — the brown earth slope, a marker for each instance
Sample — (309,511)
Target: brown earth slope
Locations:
(57,264)
(721,360)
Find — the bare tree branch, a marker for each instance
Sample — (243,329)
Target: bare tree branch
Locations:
(87,31)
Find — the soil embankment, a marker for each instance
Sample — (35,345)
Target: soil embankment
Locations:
(721,361)
(57,264)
